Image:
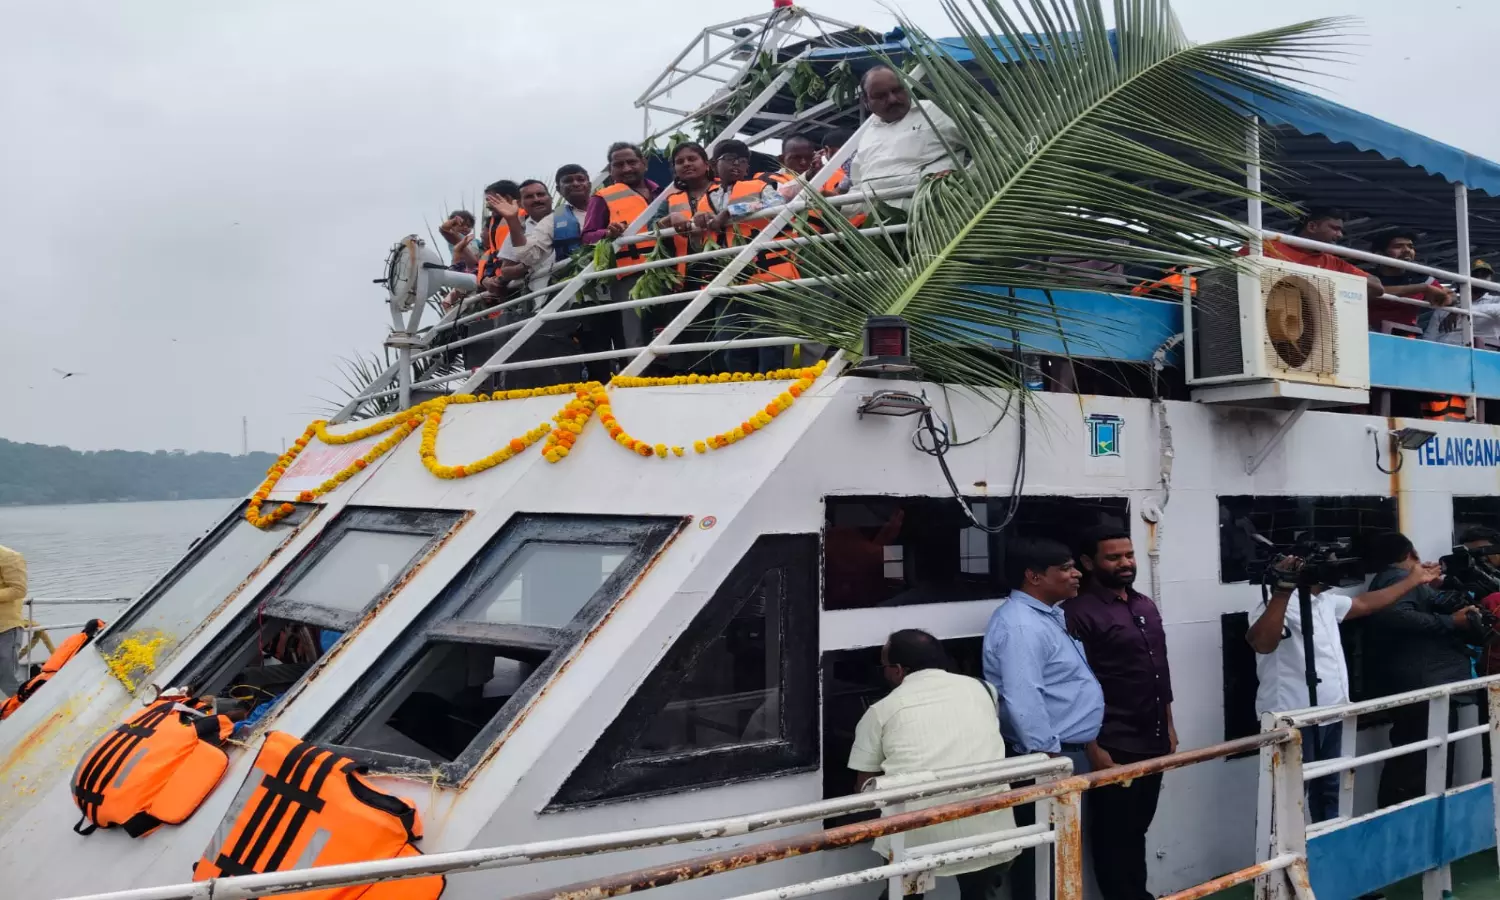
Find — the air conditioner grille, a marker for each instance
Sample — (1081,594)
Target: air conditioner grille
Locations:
(1217,339)
(1301,334)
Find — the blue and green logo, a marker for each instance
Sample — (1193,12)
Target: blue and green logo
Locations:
(1104,434)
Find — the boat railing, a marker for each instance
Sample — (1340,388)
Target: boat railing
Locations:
(34,632)
(1417,835)
(1056,792)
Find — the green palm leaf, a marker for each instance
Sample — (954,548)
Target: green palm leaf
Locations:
(1080,137)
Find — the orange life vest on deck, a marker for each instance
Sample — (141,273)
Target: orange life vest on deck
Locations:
(489,259)
(1172,284)
(156,768)
(831,189)
(64,652)
(1446,409)
(625,204)
(303,806)
(677,202)
(772,263)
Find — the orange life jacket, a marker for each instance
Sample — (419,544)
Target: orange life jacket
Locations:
(1171,284)
(489,260)
(64,652)
(156,768)
(625,204)
(831,189)
(772,263)
(303,806)
(677,202)
(1446,409)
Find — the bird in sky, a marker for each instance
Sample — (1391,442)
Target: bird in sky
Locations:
(67,375)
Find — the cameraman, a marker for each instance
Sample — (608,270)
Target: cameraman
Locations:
(1276,636)
(1416,646)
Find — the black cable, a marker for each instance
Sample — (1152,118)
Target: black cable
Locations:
(1400,460)
(938,433)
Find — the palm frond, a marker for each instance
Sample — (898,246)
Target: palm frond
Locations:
(1080,139)
(362,372)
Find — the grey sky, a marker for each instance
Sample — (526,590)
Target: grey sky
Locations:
(195,196)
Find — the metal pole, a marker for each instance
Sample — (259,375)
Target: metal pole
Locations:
(1435,881)
(1252,183)
(1465,286)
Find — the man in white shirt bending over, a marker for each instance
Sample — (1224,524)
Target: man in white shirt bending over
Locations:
(934,719)
(1276,636)
(905,141)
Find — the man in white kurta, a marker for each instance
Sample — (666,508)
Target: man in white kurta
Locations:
(934,720)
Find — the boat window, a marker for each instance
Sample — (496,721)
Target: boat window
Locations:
(896,551)
(1474,512)
(736,696)
(1286,520)
(461,672)
(215,565)
(355,562)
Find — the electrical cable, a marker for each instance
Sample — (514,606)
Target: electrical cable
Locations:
(937,431)
(1400,460)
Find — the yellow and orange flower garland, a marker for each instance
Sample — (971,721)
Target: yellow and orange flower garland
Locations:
(589,398)
(756,422)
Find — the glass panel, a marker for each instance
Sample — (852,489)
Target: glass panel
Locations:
(206,583)
(442,703)
(357,568)
(545,583)
(732,693)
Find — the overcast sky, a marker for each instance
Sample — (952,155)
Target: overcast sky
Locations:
(195,195)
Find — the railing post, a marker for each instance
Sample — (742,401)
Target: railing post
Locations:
(1252,183)
(1435,881)
(1348,739)
(1287,831)
(1465,286)
(1067,823)
(1492,741)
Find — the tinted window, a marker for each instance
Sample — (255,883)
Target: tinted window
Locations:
(1475,512)
(1286,520)
(464,669)
(895,551)
(213,568)
(358,564)
(735,697)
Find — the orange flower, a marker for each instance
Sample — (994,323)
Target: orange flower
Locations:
(459,471)
(517,444)
(305,496)
(360,464)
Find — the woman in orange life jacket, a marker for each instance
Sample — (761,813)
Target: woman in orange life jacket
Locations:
(689,212)
(738,196)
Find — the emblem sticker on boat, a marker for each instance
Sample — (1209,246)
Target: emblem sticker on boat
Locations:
(707,522)
(1104,434)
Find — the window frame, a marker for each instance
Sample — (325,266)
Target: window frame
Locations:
(439,623)
(608,774)
(438,524)
(1368,504)
(302,514)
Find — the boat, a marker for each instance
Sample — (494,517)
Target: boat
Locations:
(638,663)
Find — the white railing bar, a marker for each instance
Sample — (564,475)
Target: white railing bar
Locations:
(57,601)
(43,627)
(498,330)
(702,347)
(736,343)
(657,89)
(1376,258)
(895,870)
(1043,831)
(456,861)
(1320,715)
(1341,763)
(788,68)
(675,328)
(795,205)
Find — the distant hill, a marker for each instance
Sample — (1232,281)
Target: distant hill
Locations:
(34,474)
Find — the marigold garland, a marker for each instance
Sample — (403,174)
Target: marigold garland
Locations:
(761,418)
(589,398)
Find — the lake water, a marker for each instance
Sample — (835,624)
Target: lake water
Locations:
(103,549)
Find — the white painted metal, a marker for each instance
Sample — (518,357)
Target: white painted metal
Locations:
(1254,212)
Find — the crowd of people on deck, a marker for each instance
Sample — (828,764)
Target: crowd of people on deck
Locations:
(1074,664)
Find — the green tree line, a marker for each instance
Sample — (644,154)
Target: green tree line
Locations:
(34,474)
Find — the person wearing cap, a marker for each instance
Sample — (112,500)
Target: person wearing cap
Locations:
(1448,327)
(1401,243)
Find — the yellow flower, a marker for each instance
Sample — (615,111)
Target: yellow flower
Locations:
(700,447)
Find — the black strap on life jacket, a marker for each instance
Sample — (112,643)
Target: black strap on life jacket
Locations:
(105,762)
(282,795)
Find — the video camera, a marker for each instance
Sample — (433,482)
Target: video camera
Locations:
(1467,580)
(1330,563)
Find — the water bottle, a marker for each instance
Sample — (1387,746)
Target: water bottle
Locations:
(1031,372)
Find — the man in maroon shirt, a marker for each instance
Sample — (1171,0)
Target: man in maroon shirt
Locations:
(1121,632)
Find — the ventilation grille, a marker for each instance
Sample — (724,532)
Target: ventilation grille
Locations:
(1216,325)
(1300,333)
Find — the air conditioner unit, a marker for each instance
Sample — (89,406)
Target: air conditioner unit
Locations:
(1294,330)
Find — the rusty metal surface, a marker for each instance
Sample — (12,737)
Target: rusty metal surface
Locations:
(1068,824)
(1224,882)
(862,832)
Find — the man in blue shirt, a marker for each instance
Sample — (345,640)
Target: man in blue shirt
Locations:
(1050,701)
